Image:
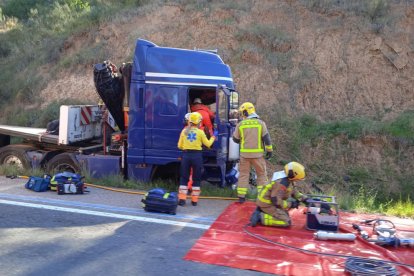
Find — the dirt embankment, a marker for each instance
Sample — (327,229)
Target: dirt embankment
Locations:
(284,57)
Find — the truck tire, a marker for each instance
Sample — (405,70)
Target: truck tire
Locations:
(15,155)
(64,162)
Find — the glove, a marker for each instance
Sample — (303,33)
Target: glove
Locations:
(294,204)
(268,155)
(215,133)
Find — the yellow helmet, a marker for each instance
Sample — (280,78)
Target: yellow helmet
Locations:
(195,118)
(246,109)
(295,171)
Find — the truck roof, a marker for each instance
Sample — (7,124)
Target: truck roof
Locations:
(164,65)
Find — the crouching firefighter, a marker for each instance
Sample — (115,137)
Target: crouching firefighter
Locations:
(191,141)
(277,197)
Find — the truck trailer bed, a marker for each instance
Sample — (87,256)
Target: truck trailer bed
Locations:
(30,133)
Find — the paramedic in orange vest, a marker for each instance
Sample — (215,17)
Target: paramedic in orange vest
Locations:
(191,141)
(280,195)
(206,113)
(254,139)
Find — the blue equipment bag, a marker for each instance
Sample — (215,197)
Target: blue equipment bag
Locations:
(157,200)
(38,184)
(67,183)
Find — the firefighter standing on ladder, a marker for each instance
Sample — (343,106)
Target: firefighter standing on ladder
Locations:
(251,133)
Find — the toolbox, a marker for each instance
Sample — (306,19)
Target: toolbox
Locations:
(322,213)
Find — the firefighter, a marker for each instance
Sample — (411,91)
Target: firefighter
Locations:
(251,133)
(191,141)
(206,113)
(280,195)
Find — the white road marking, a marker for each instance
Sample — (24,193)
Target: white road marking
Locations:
(105,214)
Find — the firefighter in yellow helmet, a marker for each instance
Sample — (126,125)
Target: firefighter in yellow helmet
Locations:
(280,195)
(191,141)
(255,144)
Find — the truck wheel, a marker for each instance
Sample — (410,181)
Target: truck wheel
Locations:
(15,156)
(64,162)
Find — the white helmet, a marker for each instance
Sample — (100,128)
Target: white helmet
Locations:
(187,116)
(197,100)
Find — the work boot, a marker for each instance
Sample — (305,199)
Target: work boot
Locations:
(193,203)
(255,218)
(242,199)
(181,202)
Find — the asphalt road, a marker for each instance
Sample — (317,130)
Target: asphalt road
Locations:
(99,233)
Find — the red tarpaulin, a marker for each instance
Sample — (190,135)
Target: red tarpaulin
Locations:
(226,243)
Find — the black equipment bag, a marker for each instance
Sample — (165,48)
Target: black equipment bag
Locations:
(70,188)
(67,183)
(157,200)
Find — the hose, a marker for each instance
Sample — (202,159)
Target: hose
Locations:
(358,266)
(143,193)
(355,265)
(127,191)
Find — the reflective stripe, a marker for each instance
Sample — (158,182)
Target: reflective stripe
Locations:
(166,195)
(268,220)
(269,147)
(264,191)
(241,191)
(249,124)
(184,76)
(196,191)
(285,204)
(182,190)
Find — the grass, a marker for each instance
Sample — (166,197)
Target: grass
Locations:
(401,208)
(363,202)
(169,185)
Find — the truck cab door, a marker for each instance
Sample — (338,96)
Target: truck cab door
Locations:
(226,120)
(164,122)
(221,123)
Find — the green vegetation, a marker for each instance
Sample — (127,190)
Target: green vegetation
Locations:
(50,24)
(365,188)
(367,202)
(362,202)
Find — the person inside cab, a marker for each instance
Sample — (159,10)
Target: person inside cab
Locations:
(206,113)
(280,195)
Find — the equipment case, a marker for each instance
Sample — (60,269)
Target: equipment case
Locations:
(157,200)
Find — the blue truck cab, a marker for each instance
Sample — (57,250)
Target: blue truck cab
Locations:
(148,102)
(164,83)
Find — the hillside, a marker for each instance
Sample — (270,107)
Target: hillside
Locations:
(333,79)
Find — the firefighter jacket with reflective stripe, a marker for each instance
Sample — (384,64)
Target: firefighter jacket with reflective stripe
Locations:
(192,138)
(252,134)
(277,192)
